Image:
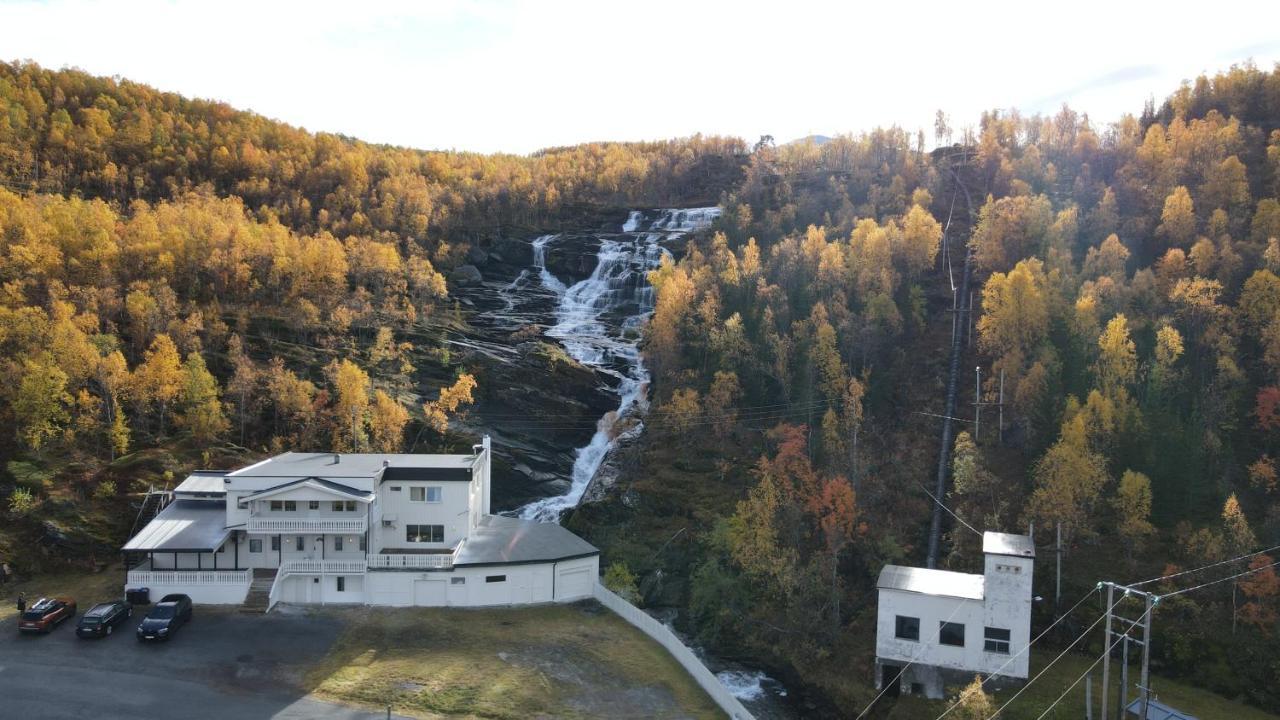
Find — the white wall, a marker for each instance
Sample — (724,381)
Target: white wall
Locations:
(451,512)
(222,594)
(931,610)
(1008,606)
(523,584)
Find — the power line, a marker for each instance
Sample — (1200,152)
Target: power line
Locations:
(1205,567)
(1219,580)
(1026,649)
(944,507)
(1089,669)
(1055,660)
(915,657)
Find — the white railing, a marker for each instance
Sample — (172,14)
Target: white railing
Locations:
(681,652)
(257,524)
(397,561)
(320,567)
(140,578)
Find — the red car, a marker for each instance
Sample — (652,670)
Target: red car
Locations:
(46,614)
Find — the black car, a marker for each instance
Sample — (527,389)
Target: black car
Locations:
(171,613)
(101,619)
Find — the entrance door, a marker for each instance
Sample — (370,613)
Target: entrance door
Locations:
(429,593)
(891,680)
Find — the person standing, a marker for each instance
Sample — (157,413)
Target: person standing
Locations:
(22,602)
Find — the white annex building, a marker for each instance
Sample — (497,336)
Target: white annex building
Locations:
(937,628)
(374,529)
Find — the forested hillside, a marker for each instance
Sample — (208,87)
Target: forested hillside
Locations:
(1126,287)
(186,284)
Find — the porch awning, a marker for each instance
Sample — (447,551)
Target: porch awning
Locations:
(184,526)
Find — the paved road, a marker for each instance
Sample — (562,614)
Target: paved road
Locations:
(221,666)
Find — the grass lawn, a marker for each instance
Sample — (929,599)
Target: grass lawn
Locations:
(548,661)
(85,588)
(1030,704)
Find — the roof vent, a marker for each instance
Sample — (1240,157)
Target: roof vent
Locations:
(337,458)
(386,463)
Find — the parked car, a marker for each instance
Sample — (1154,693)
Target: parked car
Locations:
(165,617)
(101,619)
(46,614)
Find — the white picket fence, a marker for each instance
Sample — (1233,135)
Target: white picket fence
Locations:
(681,652)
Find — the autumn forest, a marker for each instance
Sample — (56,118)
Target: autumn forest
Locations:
(183,284)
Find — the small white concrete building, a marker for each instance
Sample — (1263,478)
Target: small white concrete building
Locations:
(937,628)
(355,528)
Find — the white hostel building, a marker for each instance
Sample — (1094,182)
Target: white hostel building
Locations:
(373,529)
(936,628)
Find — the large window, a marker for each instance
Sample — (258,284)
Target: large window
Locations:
(424,533)
(906,628)
(996,640)
(344,505)
(277,505)
(431,494)
(342,584)
(950,633)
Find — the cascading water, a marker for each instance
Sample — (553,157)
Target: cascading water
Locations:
(595,323)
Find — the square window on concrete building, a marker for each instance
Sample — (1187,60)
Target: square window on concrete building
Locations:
(951,633)
(907,628)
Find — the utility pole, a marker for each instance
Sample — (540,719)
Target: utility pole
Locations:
(1057,589)
(1123,635)
(1000,404)
(977,403)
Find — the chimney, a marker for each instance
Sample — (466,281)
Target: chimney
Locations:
(386,464)
(337,458)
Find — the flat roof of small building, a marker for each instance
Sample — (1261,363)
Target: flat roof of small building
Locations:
(184,526)
(998,543)
(327,465)
(1156,711)
(203,482)
(943,583)
(502,540)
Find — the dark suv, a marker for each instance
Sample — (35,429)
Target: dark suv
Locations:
(46,614)
(101,619)
(171,613)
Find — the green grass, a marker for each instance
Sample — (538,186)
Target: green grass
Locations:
(1043,692)
(546,661)
(85,588)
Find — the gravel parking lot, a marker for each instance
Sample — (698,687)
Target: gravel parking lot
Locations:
(221,665)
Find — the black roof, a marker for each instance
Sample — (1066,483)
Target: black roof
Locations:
(430,474)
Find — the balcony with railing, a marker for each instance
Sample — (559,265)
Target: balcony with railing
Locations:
(144,575)
(321,567)
(276,523)
(414,561)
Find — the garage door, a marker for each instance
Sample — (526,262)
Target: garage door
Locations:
(574,583)
(429,593)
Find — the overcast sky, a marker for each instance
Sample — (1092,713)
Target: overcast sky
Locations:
(512,76)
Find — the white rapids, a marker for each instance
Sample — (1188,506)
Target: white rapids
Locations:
(588,329)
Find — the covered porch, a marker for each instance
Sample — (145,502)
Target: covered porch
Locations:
(188,549)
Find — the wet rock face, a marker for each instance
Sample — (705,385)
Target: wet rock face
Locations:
(552,333)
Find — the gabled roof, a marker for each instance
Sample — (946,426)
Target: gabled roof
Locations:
(345,492)
(502,540)
(184,526)
(998,543)
(942,583)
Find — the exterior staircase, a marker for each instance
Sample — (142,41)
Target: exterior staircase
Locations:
(259,596)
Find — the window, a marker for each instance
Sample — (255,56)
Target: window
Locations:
(364,543)
(458,581)
(344,505)
(277,505)
(298,545)
(435,494)
(337,506)
(395,488)
(290,506)
(275,542)
(996,640)
(907,628)
(950,633)
(424,533)
(495,578)
(255,546)
(337,543)
(417,494)
(342,584)
(313,504)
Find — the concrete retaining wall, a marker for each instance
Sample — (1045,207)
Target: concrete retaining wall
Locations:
(681,652)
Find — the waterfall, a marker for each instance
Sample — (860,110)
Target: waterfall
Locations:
(592,320)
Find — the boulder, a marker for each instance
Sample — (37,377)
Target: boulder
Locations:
(464,275)
(477,255)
